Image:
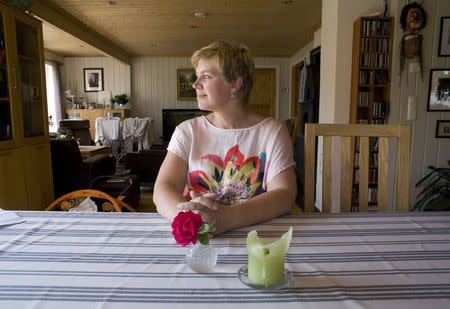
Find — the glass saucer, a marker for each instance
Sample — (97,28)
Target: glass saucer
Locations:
(288,279)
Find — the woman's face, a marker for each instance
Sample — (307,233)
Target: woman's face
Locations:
(213,91)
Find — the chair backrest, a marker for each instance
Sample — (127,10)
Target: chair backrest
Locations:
(137,130)
(363,134)
(56,205)
(66,162)
(70,171)
(79,129)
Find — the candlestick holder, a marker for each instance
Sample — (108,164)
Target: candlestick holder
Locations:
(288,279)
(266,257)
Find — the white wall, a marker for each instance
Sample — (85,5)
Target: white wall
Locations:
(336,51)
(154,86)
(317,38)
(426,149)
(116,75)
(53,57)
(335,73)
(336,55)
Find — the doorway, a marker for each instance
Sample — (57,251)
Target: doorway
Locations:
(263,95)
(308,112)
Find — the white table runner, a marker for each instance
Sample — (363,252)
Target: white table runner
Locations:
(110,260)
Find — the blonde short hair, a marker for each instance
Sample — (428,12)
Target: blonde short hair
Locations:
(233,60)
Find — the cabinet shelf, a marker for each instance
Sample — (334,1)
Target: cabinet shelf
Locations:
(27,58)
(369,203)
(370,184)
(376,36)
(371,68)
(25,160)
(370,86)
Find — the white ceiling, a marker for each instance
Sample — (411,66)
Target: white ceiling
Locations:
(168,27)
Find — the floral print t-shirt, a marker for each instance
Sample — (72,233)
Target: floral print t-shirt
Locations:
(236,164)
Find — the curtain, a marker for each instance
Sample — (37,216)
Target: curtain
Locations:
(55,93)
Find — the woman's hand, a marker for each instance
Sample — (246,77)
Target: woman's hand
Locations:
(204,204)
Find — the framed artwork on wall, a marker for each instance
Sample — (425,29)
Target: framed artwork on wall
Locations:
(185,79)
(444,37)
(93,79)
(439,90)
(443,129)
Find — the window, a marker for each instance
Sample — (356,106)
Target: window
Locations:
(53,95)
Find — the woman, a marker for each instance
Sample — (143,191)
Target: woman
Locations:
(235,167)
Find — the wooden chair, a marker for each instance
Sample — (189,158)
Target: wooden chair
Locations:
(117,204)
(347,134)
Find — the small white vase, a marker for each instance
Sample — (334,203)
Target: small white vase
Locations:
(201,258)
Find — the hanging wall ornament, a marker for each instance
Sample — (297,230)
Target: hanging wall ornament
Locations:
(413,19)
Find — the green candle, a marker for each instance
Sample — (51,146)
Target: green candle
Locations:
(266,258)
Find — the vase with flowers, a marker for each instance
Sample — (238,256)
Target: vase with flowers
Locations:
(188,228)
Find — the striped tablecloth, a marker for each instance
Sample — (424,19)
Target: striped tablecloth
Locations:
(110,260)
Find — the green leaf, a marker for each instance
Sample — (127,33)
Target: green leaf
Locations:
(203,239)
(204,228)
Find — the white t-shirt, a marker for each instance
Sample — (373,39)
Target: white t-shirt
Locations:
(236,164)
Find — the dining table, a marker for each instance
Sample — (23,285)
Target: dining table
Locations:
(130,260)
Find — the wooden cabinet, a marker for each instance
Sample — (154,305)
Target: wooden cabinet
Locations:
(39,180)
(12,180)
(92,114)
(370,86)
(24,141)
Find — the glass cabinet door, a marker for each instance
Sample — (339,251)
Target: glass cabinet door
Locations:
(28,55)
(6,129)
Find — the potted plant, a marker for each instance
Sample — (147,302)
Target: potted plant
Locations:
(120,99)
(436,193)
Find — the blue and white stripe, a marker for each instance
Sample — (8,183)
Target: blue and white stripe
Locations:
(106,260)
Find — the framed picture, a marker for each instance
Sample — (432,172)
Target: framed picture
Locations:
(439,90)
(185,79)
(93,79)
(443,129)
(444,38)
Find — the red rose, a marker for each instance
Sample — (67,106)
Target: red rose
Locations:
(185,227)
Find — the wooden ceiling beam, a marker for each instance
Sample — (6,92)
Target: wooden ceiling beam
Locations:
(60,18)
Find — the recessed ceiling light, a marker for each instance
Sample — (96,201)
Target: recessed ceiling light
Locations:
(200,14)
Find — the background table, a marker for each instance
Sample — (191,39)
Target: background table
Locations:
(125,260)
(89,151)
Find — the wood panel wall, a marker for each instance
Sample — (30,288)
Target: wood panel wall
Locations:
(116,75)
(426,149)
(154,86)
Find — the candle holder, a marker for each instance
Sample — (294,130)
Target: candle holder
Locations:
(286,281)
(265,269)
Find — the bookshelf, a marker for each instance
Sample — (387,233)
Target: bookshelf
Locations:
(370,86)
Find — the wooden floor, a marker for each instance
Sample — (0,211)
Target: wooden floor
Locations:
(146,203)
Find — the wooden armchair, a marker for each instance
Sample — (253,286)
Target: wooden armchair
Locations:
(347,133)
(65,202)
